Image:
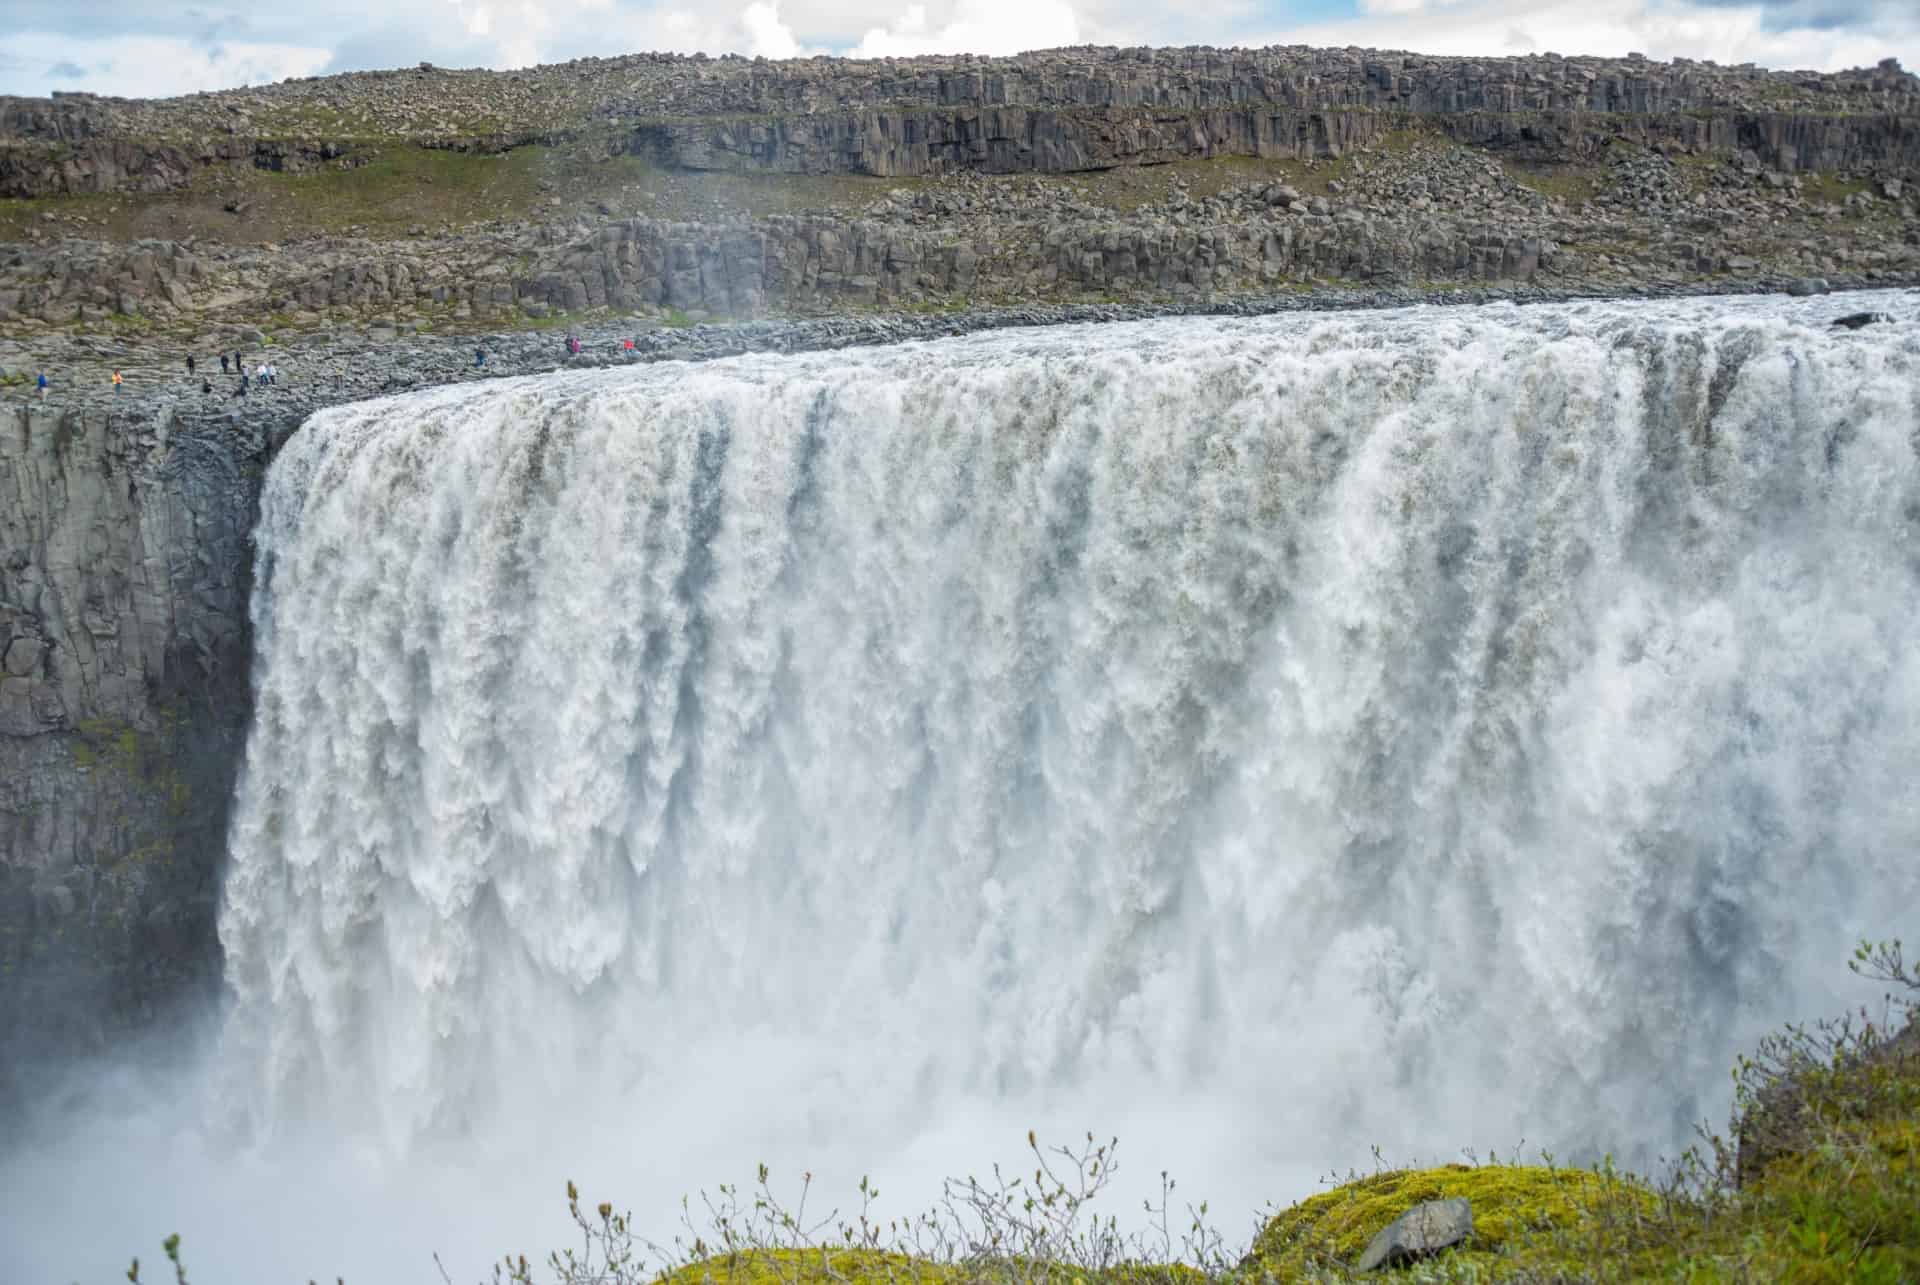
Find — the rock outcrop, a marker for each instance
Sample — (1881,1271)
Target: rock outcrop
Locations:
(124,583)
(1424,1230)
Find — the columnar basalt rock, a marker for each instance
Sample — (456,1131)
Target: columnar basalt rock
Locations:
(124,579)
(1052,111)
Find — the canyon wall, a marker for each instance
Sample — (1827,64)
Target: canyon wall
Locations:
(125,572)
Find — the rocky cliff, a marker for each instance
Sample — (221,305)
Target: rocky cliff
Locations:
(124,582)
(1050,111)
(657,185)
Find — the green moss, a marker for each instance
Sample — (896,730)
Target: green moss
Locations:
(144,759)
(1511,1204)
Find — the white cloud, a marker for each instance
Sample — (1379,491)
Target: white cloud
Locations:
(767,35)
(1658,28)
(184,45)
(155,66)
(975,27)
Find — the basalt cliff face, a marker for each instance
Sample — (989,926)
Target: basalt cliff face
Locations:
(1049,112)
(653,186)
(124,579)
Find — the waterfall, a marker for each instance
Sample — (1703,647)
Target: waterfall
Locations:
(1426,728)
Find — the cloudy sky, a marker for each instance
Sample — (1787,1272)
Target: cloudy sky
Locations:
(153,47)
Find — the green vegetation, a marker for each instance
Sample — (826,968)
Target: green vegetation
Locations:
(1517,1210)
(145,760)
(1829,188)
(1574,185)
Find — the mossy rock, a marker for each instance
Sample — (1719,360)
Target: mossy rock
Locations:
(1511,1203)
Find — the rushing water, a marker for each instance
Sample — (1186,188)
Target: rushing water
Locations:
(1270,738)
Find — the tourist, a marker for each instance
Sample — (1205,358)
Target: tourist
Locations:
(629,345)
(206,388)
(189,365)
(223,363)
(261,374)
(479,358)
(273,373)
(43,385)
(116,383)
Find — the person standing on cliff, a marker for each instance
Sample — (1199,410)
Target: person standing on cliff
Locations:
(189,365)
(223,363)
(116,383)
(43,385)
(479,358)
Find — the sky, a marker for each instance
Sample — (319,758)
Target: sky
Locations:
(159,47)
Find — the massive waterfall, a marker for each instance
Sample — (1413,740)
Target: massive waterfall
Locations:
(1431,729)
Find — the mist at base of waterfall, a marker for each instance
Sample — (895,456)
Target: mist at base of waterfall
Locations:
(1263,740)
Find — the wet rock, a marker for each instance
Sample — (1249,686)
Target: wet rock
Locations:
(1858,320)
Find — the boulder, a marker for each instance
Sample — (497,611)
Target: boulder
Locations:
(1423,1230)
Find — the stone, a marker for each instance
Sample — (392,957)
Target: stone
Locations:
(1424,1230)
(23,656)
(1803,287)
(1857,320)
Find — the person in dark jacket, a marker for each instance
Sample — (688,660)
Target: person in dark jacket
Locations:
(223,363)
(479,358)
(189,365)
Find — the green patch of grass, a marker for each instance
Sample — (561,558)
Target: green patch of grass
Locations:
(1829,188)
(1570,184)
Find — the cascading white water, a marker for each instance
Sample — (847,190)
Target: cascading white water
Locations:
(1428,729)
(1422,723)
